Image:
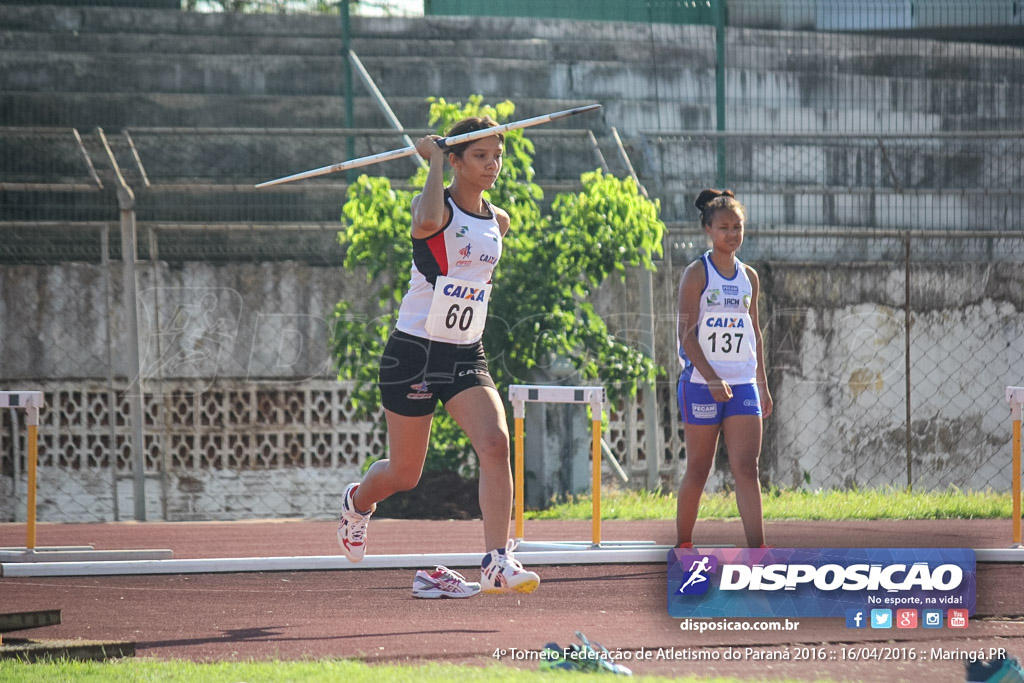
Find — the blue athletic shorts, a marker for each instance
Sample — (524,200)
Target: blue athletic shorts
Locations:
(699,407)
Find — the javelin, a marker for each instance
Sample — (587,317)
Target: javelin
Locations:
(443,143)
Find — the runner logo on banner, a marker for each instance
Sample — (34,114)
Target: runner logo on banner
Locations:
(817,582)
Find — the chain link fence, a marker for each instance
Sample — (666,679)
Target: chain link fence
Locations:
(237,386)
(880,164)
(884,371)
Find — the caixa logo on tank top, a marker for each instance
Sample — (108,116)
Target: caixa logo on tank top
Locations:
(458,310)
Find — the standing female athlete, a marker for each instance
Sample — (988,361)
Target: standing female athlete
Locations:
(723,387)
(436,353)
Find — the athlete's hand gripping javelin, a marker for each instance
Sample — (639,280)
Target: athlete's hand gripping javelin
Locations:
(429,148)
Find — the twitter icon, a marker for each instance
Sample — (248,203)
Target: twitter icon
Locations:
(881,618)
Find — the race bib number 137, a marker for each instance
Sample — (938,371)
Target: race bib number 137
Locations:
(727,336)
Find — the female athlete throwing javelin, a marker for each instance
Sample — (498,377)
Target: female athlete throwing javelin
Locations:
(723,387)
(435,353)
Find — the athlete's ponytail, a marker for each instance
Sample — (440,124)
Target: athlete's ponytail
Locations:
(709,201)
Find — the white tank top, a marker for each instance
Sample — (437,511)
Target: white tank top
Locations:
(725,330)
(462,254)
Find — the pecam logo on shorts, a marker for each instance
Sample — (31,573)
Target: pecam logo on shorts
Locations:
(460,292)
(724,321)
(750,403)
(422,391)
(704,410)
(696,580)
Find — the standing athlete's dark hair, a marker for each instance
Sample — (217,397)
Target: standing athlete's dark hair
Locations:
(709,201)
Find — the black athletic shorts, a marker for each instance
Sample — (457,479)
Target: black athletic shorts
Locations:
(415,373)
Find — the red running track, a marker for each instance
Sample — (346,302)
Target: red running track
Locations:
(370,614)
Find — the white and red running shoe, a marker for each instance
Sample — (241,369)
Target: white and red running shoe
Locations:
(352,527)
(442,583)
(500,572)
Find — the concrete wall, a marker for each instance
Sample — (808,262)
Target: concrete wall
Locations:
(836,337)
(836,351)
(839,377)
(203,320)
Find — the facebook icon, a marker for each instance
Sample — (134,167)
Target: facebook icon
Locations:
(855,618)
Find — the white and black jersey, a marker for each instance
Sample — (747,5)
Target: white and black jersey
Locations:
(464,252)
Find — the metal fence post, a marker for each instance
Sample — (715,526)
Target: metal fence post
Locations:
(346,48)
(129,253)
(719,8)
(653,445)
(906,357)
(111,394)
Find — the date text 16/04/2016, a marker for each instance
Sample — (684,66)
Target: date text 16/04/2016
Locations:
(799,653)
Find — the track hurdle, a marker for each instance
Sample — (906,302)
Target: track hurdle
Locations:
(520,395)
(1015,397)
(31,401)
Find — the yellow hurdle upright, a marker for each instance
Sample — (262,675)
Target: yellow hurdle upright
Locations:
(595,467)
(31,402)
(519,477)
(1015,397)
(520,395)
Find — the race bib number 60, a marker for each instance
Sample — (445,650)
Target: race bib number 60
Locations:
(458,310)
(727,336)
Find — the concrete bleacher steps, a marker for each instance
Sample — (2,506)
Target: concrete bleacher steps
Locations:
(125,109)
(114,30)
(190,175)
(248,156)
(840,244)
(204,110)
(923,163)
(937,210)
(115,68)
(242,55)
(881,100)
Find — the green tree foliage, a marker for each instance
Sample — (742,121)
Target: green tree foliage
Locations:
(540,311)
